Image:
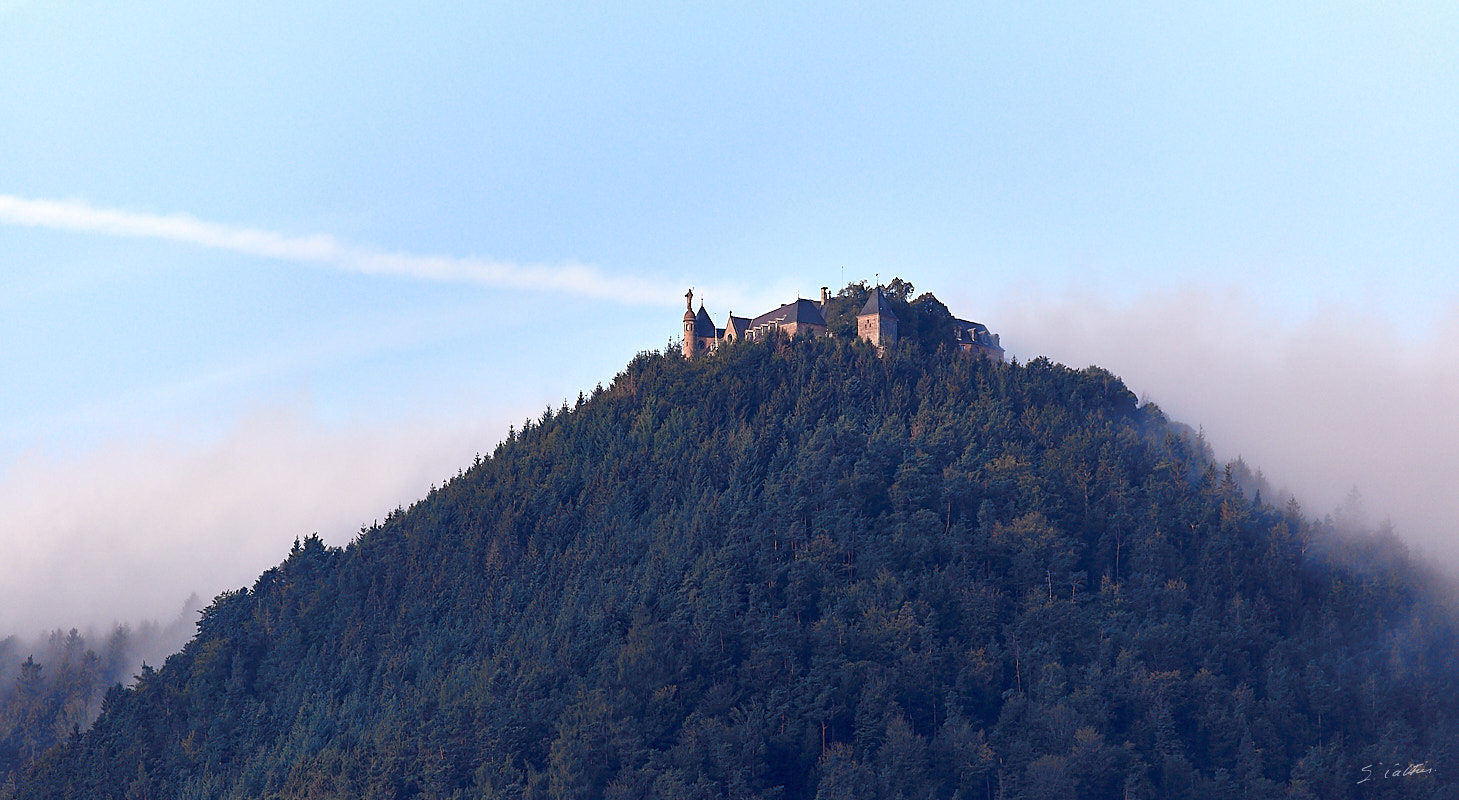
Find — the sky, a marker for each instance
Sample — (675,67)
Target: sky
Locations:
(274,269)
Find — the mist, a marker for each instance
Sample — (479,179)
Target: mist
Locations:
(1330,402)
(125,533)
(122,649)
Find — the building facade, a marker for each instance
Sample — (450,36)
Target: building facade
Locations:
(974,337)
(877,323)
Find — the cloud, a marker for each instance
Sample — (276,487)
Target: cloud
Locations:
(325,250)
(1321,405)
(126,532)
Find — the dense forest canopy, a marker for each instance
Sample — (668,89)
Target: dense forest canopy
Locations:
(52,688)
(796,569)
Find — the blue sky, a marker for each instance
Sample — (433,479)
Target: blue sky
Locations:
(355,242)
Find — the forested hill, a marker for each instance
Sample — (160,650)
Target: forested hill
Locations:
(797,570)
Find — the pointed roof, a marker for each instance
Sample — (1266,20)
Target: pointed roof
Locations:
(876,305)
(737,325)
(703,325)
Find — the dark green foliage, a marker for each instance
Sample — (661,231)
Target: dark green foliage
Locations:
(923,322)
(841,310)
(795,570)
(46,700)
(59,686)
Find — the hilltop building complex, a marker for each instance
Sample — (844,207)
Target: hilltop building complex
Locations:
(877,323)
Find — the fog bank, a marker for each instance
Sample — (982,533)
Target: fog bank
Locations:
(127,532)
(1321,405)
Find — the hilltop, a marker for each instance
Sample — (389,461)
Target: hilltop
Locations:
(804,569)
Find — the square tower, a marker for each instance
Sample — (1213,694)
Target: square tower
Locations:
(876,323)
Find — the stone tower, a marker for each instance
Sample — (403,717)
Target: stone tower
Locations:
(691,342)
(876,323)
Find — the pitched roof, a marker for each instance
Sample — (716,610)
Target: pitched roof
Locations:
(738,325)
(973,333)
(805,312)
(876,305)
(703,325)
(964,328)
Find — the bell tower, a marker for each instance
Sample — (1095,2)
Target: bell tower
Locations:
(691,342)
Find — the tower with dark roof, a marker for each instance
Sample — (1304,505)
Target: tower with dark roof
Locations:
(876,323)
(691,341)
(700,335)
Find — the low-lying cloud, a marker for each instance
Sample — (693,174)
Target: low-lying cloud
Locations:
(1337,400)
(128,532)
(326,250)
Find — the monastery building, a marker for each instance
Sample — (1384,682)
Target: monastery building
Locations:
(877,323)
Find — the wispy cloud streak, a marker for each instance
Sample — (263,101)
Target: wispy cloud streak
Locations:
(326,250)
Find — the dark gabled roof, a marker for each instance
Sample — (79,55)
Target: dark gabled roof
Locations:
(973,333)
(737,324)
(971,330)
(703,325)
(876,305)
(804,312)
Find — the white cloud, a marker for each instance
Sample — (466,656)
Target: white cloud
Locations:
(1333,401)
(325,250)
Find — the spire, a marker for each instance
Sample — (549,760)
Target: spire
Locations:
(876,303)
(703,325)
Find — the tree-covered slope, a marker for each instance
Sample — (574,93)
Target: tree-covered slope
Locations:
(57,685)
(796,570)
